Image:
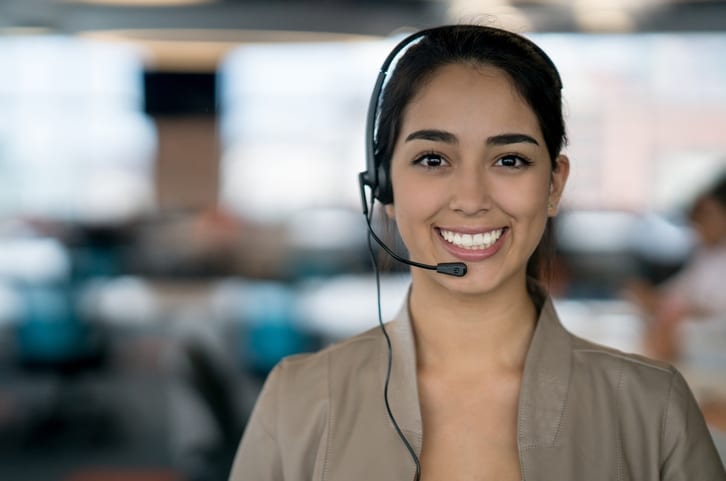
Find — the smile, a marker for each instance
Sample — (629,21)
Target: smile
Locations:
(478,241)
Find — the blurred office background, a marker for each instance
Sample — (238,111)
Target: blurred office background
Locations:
(179,207)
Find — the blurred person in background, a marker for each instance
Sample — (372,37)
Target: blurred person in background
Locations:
(697,290)
(478,379)
(695,293)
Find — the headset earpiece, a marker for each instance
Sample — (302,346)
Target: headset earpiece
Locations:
(384,189)
(376,177)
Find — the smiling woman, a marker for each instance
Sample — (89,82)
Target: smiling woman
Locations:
(471,161)
(478,378)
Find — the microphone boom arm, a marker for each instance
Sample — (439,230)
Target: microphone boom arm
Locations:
(457,269)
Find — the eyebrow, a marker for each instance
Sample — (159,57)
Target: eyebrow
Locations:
(433,135)
(449,138)
(504,139)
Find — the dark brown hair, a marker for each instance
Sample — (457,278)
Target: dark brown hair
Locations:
(531,71)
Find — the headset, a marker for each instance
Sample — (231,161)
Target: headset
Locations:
(376,176)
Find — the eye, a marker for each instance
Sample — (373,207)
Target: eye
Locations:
(430,161)
(513,161)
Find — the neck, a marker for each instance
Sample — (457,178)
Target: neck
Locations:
(465,333)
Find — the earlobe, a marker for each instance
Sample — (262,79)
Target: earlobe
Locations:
(552,209)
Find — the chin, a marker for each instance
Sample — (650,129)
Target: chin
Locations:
(472,284)
(480,280)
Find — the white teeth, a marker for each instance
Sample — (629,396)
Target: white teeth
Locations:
(472,242)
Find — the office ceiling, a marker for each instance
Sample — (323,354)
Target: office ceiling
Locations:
(349,16)
(373,17)
(168,27)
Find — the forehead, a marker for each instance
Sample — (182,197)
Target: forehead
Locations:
(458,93)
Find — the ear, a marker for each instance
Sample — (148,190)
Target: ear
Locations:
(558,179)
(390,211)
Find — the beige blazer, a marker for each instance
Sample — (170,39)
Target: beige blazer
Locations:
(586,413)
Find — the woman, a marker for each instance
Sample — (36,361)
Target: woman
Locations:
(484,383)
(696,292)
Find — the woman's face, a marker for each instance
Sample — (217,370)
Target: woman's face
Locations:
(709,220)
(472,179)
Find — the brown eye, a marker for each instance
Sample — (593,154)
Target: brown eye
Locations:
(430,161)
(512,162)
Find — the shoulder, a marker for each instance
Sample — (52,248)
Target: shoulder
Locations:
(640,409)
(654,407)
(639,389)
(644,390)
(599,356)
(633,374)
(347,354)
(289,426)
(296,399)
(309,379)
(586,365)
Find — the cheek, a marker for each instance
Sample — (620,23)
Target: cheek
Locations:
(414,199)
(526,201)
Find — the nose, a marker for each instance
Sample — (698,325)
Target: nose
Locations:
(470,191)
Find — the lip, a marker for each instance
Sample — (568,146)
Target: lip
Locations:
(470,254)
(469,230)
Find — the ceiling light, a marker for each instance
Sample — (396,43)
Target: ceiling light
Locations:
(604,15)
(497,13)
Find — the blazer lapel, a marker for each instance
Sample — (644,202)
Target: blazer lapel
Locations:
(545,382)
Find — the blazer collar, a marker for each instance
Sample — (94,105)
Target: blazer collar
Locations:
(544,384)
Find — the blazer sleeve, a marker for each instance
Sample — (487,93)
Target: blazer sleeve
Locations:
(689,452)
(258,455)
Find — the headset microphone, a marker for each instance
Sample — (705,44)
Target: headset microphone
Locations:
(457,269)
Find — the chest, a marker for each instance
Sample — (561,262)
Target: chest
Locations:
(470,433)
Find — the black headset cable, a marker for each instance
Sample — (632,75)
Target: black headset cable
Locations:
(411,451)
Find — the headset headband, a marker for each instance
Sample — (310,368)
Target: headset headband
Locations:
(375,175)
